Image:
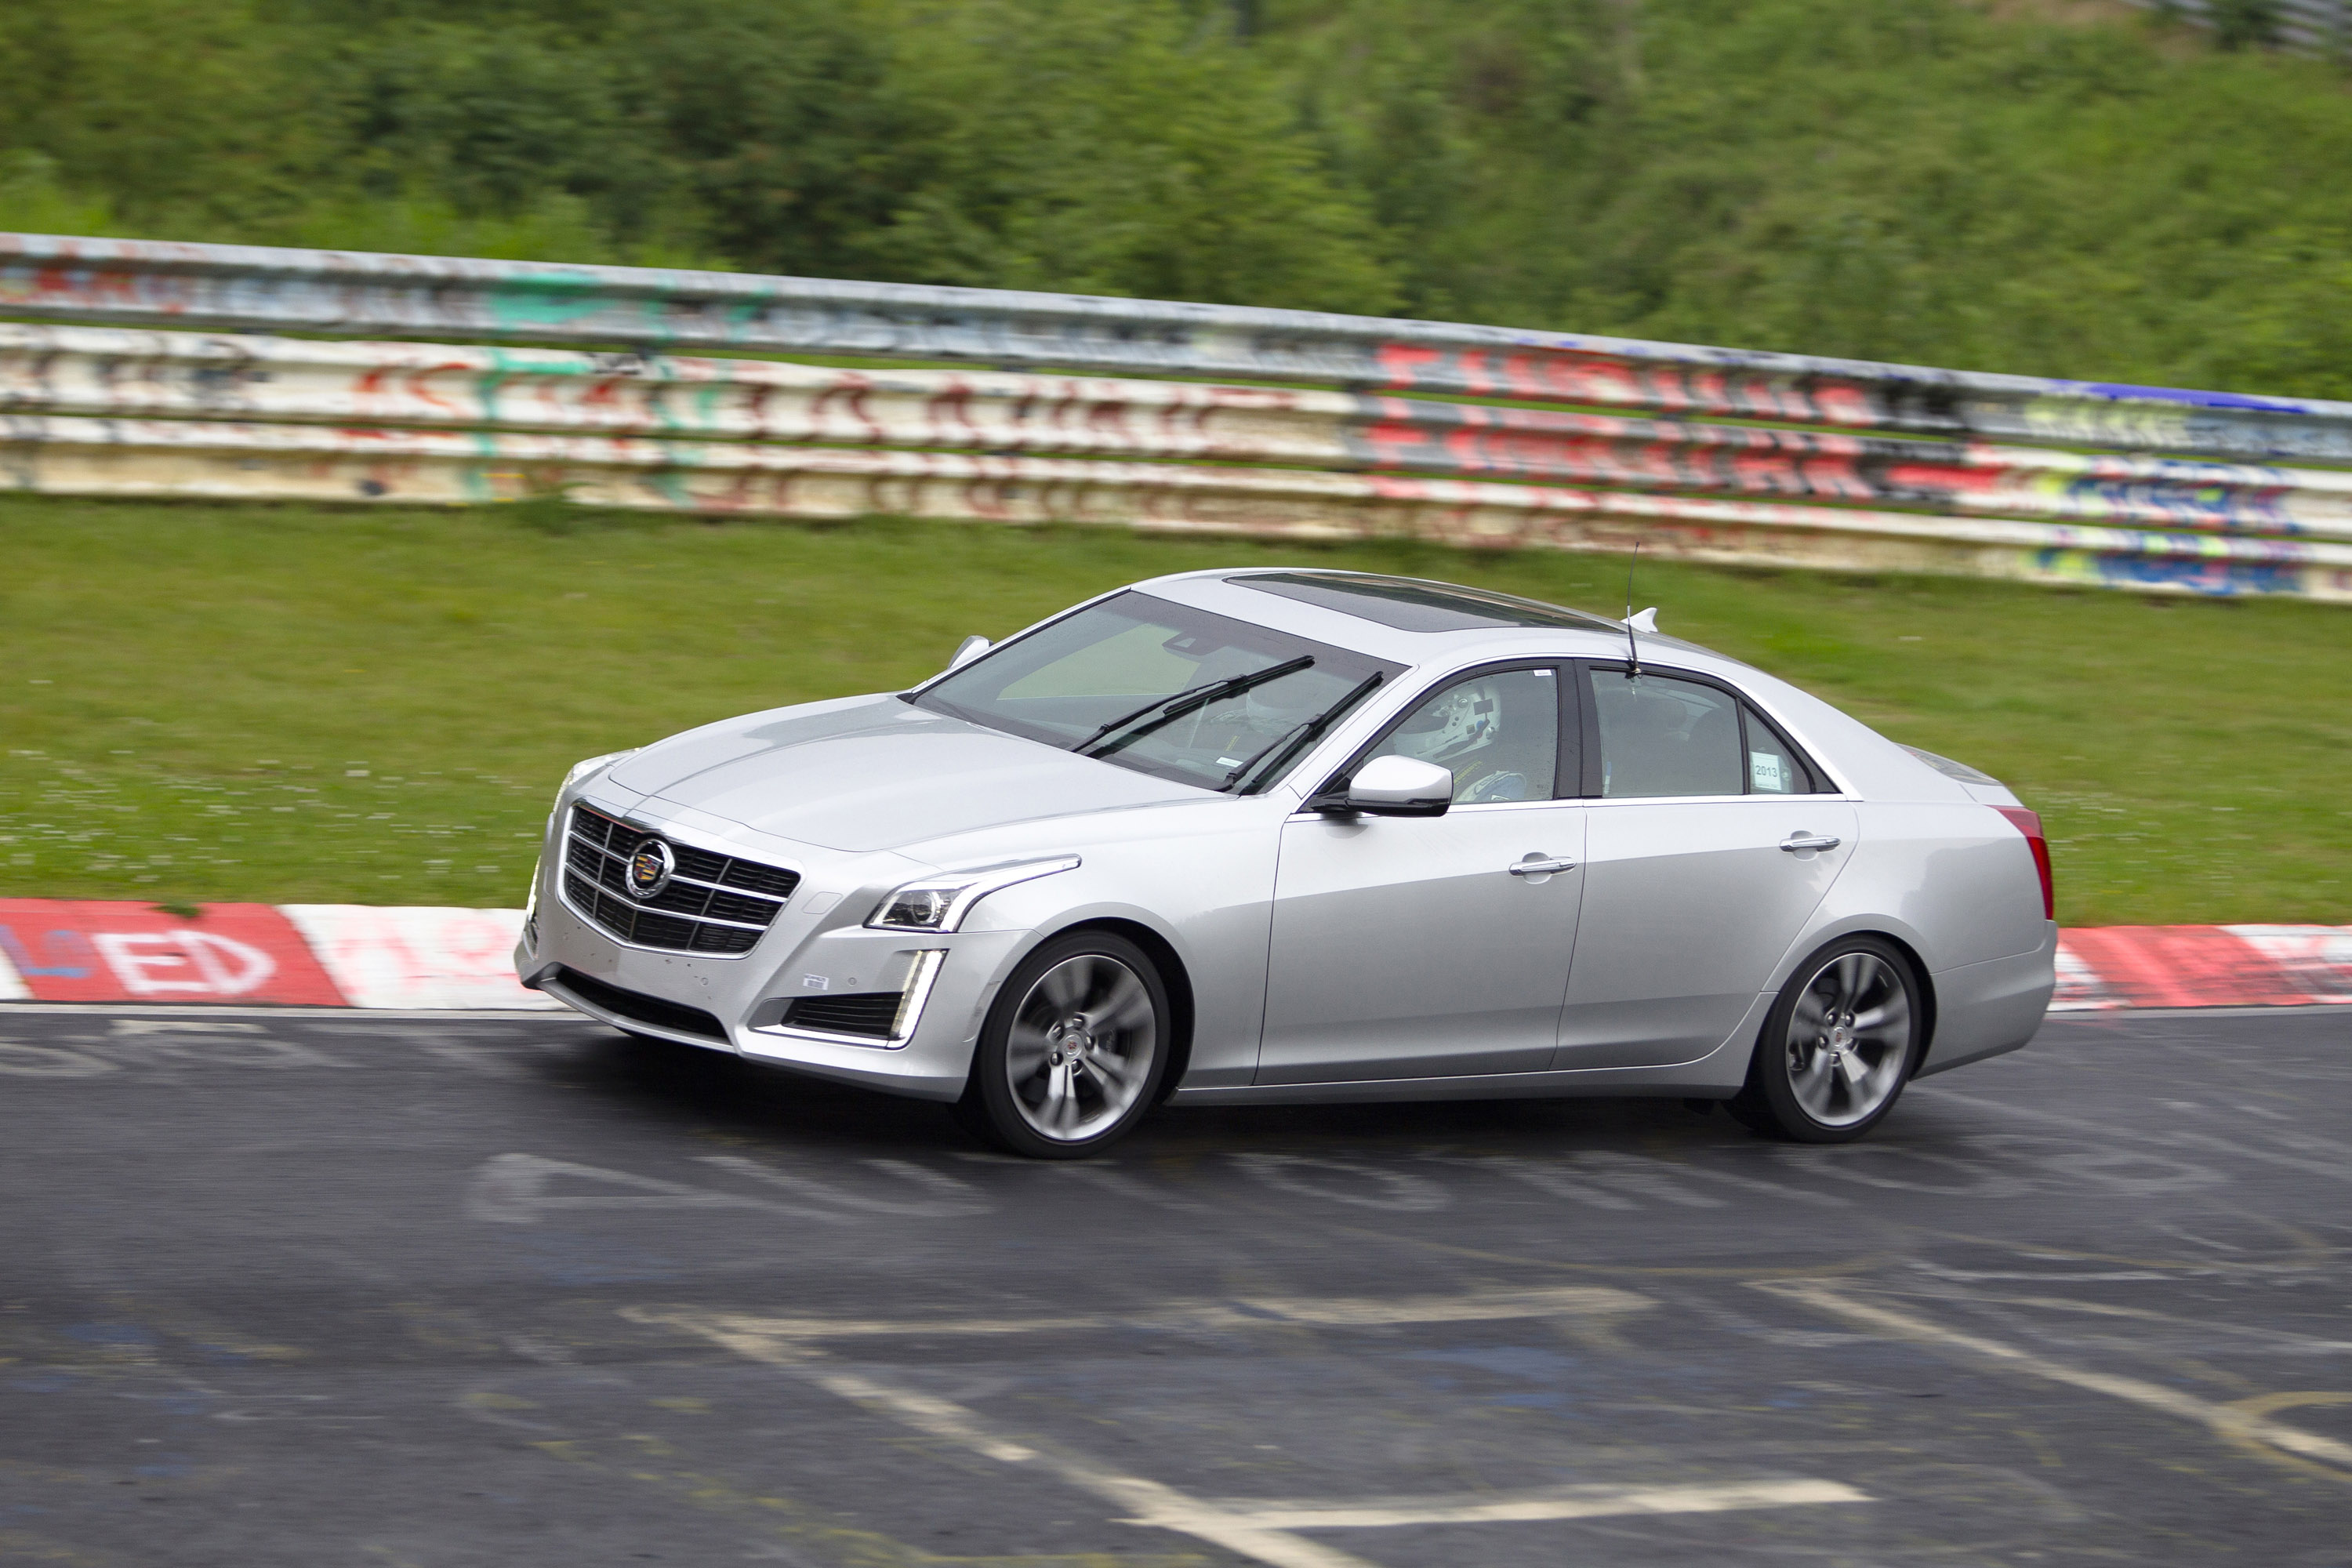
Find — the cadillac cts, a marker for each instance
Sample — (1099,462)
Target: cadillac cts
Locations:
(1259,836)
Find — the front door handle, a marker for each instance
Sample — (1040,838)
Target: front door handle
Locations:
(1537,866)
(1796,841)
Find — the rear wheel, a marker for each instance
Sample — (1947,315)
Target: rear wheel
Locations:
(1073,1051)
(1837,1047)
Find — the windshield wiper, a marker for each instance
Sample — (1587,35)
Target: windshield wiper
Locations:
(1166,709)
(1300,734)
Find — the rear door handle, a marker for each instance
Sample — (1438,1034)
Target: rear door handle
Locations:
(1796,841)
(1535,868)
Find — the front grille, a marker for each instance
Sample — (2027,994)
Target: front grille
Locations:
(636,1005)
(714,904)
(869,1013)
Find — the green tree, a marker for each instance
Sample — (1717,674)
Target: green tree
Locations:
(1928,180)
(1118,149)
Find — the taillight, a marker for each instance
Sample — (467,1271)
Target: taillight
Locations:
(2030,824)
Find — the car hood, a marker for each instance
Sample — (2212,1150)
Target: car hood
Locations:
(876,773)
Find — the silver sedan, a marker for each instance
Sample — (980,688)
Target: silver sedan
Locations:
(1265,835)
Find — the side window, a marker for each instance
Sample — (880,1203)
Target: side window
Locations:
(1498,733)
(1772,768)
(1660,736)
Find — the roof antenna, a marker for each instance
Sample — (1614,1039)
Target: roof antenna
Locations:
(1632,653)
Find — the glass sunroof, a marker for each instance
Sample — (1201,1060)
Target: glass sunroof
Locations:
(1412,605)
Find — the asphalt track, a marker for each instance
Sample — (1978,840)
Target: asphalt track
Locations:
(413,1292)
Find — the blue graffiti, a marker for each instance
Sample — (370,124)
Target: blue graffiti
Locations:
(2179,574)
(21,957)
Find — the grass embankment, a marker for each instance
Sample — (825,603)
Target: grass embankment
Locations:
(287,704)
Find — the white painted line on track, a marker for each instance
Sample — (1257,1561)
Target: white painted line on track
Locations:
(2225,1420)
(1144,1500)
(1263,1531)
(939,1417)
(1553,1502)
(1240,1312)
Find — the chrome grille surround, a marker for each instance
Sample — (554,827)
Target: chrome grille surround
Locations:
(715,905)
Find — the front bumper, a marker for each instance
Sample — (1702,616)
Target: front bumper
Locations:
(818,946)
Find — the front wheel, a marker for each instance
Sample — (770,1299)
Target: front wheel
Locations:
(1074,1049)
(1837,1047)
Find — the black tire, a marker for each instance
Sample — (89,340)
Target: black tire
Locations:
(1841,1040)
(1074,1049)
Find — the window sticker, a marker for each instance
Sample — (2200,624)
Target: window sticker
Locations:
(1766,772)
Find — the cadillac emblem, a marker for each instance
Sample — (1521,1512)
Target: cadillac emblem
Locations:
(650,869)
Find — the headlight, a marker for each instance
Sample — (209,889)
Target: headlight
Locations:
(939,904)
(596,764)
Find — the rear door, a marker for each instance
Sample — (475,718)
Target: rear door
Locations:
(1708,847)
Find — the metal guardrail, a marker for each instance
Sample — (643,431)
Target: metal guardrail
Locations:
(262,289)
(117,373)
(2312,26)
(1832,467)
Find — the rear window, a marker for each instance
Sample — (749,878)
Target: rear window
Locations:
(1410,604)
(1660,736)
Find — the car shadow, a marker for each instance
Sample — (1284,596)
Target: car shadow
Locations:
(710,1092)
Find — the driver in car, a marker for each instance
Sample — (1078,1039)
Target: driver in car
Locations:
(1462,731)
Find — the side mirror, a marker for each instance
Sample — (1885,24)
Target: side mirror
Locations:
(1397,786)
(970,648)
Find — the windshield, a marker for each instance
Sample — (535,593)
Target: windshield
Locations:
(1100,681)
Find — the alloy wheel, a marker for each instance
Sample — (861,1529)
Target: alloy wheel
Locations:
(1081,1047)
(1848,1040)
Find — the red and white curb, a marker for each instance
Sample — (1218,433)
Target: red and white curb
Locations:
(360,956)
(2203,967)
(332,955)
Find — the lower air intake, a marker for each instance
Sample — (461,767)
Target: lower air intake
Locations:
(866,1013)
(638,1007)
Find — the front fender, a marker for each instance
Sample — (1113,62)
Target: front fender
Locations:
(1207,895)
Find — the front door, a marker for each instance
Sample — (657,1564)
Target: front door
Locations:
(1696,881)
(1408,947)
